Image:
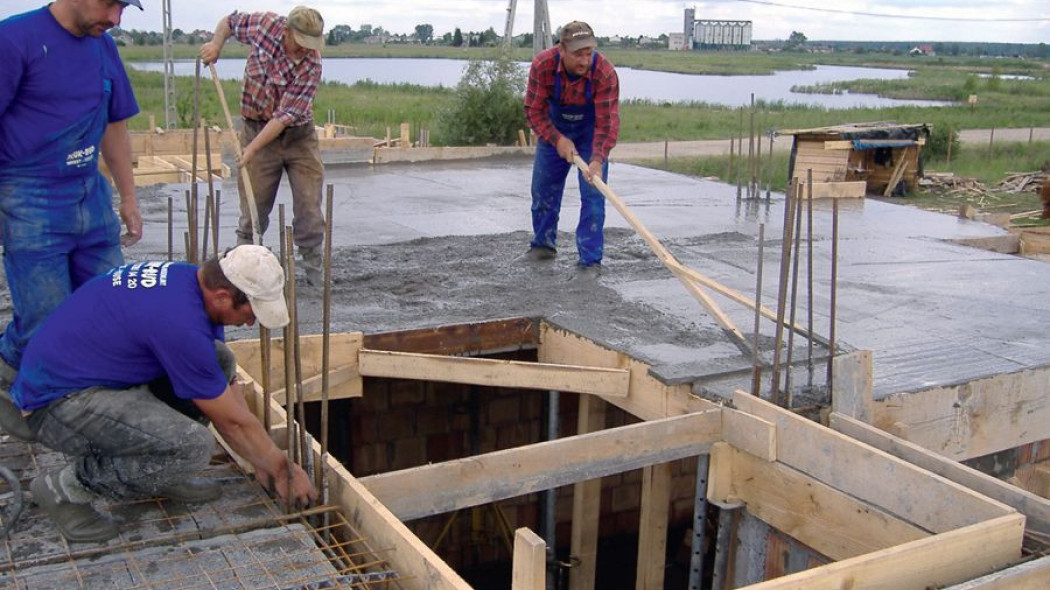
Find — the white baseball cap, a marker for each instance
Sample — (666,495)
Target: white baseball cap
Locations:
(255,270)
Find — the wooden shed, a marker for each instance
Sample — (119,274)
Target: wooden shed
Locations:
(858,159)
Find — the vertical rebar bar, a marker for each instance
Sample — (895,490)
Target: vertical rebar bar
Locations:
(785,265)
(209,203)
(756,360)
(171,229)
(217,206)
(794,302)
(326,321)
(809,277)
(192,255)
(305,454)
(834,287)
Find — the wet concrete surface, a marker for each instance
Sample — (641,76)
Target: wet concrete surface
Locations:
(432,244)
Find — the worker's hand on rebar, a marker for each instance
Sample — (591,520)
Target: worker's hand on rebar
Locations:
(129,214)
(209,53)
(566,149)
(301,491)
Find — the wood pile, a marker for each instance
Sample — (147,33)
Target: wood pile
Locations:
(948,183)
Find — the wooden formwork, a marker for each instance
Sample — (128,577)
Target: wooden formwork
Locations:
(883,521)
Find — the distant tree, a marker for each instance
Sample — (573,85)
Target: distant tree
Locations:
(425,33)
(340,34)
(526,40)
(795,41)
(457,38)
(447,38)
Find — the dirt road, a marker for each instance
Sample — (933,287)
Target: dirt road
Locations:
(632,152)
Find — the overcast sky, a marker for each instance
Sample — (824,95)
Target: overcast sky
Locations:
(1021,21)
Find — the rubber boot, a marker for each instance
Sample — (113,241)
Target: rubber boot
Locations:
(68,503)
(11,420)
(192,490)
(312,264)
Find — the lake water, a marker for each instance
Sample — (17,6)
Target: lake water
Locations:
(634,84)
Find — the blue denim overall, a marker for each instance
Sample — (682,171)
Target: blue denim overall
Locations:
(58,224)
(550,170)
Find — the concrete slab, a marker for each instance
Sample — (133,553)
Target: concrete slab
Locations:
(436,243)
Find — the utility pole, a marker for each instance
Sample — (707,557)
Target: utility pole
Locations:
(508,29)
(541,31)
(170,118)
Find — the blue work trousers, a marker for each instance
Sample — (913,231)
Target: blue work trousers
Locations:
(548,184)
(57,234)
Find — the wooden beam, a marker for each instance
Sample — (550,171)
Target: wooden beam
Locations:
(845,189)
(833,523)
(472,339)
(438,488)
(838,144)
(978,418)
(379,529)
(1035,508)
(933,562)
(1032,575)
(749,433)
(854,381)
(586,503)
(647,397)
(652,527)
(871,475)
(345,380)
(494,373)
(530,561)
(336,377)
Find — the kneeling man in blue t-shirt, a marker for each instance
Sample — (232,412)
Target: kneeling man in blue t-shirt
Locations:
(123,376)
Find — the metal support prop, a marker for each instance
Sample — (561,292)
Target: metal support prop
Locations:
(550,497)
(696,556)
(721,578)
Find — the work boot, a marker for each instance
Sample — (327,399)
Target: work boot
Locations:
(538,253)
(11,420)
(312,264)
(192,490)
(68,503)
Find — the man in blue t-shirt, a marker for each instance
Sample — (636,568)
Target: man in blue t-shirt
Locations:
(87,375)
(64,100)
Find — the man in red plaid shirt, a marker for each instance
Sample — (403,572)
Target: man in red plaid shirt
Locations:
(572,103)
(280,82)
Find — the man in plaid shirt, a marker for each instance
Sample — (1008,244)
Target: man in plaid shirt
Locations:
(572,103)
(280,82)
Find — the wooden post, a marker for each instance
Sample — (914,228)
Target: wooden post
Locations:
(530,561)
(949,162)
(521,138)
(652,528)
(406,135)
(586,503)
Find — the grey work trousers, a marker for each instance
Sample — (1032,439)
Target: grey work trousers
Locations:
(295,151)
(127,443)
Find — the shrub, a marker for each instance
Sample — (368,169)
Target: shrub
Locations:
(487,105)
(937,143)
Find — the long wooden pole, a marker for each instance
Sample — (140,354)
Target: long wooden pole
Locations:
(669,260)
(253,210)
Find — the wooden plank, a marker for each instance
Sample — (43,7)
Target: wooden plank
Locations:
(842,144)
(1032,575)
(494,373)
(336,377)
(978,418)
(467,339)
(749,433)
(853,189)
(586,503)
(933,562)
(1035,508)
(833,523)
(898,171)
(652,527)
(853,375)
(529,570)
(720,474)
(343,350)
(876,477)
(438,488)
